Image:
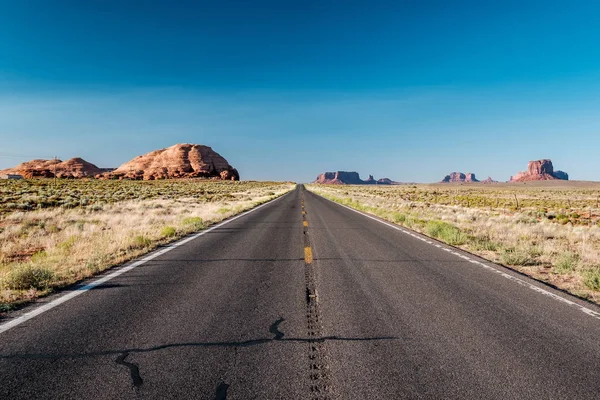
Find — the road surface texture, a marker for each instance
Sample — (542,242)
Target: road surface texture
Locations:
(306,299)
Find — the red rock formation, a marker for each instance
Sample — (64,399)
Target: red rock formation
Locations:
(459,177)
(350,178)
(339,178)
(178,161)
(73,168)
(370,180)
(540,170)
(489,180)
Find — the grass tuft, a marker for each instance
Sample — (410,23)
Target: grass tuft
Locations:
(446,232)
(566,262)
(194,223)
(25,277)
(591,278)
(523,256)
(168,232)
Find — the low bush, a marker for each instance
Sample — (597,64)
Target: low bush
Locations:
(398,217)
(446,232)
(566,262)
(25,277)
(591,279)
(194,223)
(520,256)
(484,243)
(168,231)
(140,242)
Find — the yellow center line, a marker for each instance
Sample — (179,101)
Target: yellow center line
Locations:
(308,256)
(305,223)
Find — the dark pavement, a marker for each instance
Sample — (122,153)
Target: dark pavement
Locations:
(238,314)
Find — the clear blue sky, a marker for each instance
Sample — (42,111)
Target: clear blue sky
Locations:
(409,90)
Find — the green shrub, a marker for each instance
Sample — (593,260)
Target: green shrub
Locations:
(168,231)
(140,242)
(68,244)
(27,277)
(591,278)
(520,256)
(194,223)
(398,217)
(485,243)
(446,232)
(566,262)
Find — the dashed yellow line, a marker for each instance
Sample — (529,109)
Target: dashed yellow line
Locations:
(305,223)
(308,256)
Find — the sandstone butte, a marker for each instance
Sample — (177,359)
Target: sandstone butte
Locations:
(177,161)
(350,178)
(539,170)
(73,168)
(489,180)
(459,177)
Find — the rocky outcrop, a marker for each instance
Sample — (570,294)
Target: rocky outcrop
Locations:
(178,161)
(539,170)
(339,178)
(73,168)
(459,177)
(350,178)
(489,180)
(370,180)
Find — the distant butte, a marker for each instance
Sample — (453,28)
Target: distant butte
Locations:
(459,177)
(539,170)
(350,178)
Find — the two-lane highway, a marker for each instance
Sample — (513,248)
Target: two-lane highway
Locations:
(305,299)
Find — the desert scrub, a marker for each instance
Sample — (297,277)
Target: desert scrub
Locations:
(140,242)
(24,277)
(566,262)
(193,223)
(553,234)
(591,278)
(524,256)
(446,232)
(168,232)
(52,246)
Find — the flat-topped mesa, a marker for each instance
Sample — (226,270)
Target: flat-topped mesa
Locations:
(178,161)
(73,168)
(539,170)
(339,178)
(459,177)
(349,178)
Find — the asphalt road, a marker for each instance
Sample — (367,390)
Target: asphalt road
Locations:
(305,299)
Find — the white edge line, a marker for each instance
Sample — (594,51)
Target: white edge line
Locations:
(519,281)
(76,292)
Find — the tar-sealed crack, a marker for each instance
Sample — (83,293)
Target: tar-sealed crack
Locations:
(318,369)
(133,369)
(221,392)
(274,329)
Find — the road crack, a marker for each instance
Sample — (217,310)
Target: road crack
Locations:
(221,392)
(134,370)
(274,329)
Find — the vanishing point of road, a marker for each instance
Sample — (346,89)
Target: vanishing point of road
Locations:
(305,299)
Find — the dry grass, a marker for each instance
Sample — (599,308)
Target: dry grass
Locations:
(46,248)
(553,235)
